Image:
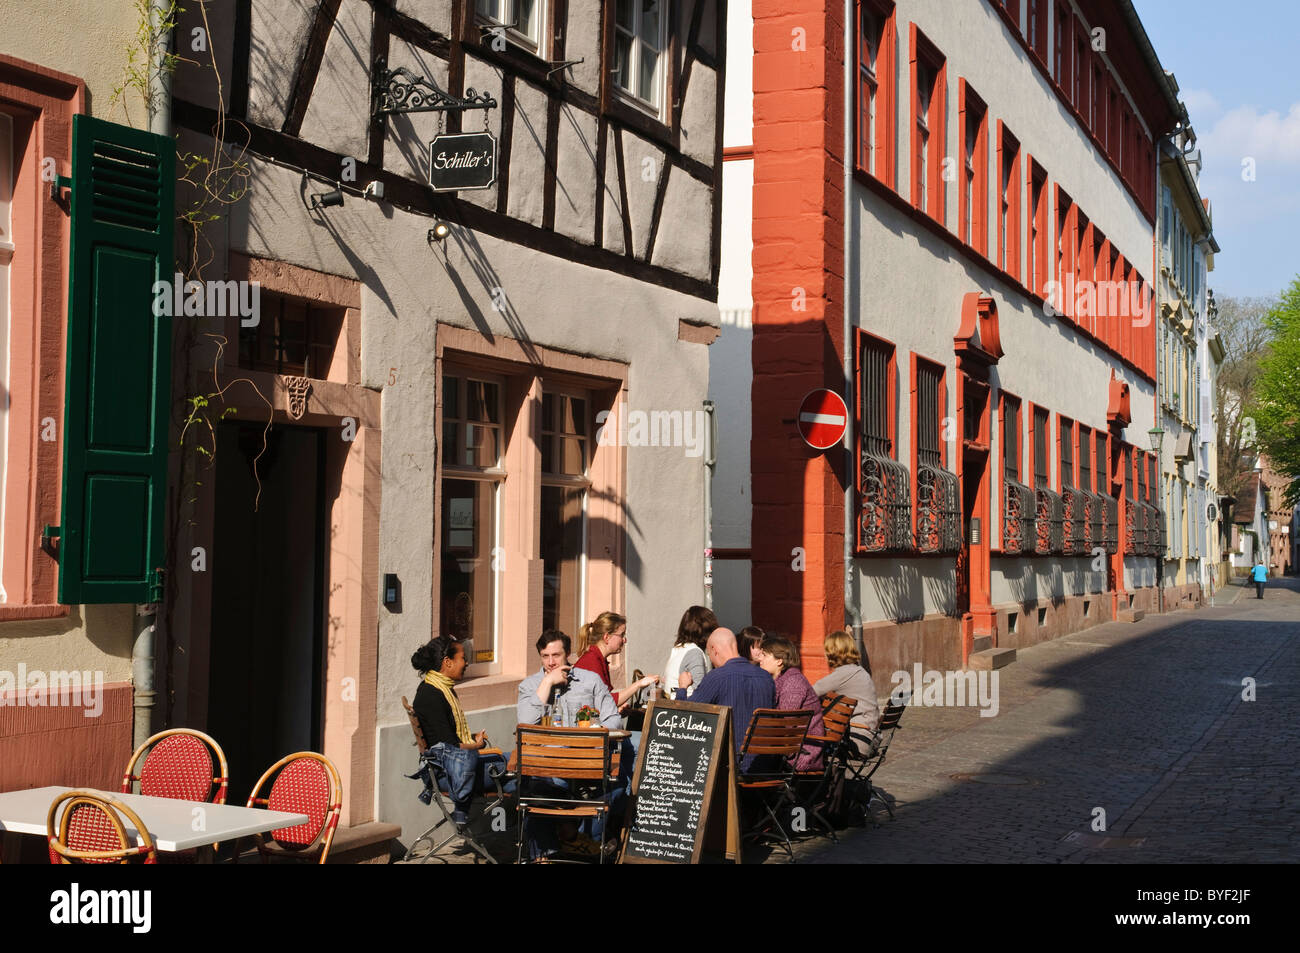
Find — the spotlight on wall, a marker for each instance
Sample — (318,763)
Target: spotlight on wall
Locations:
(439,232)
(330,199)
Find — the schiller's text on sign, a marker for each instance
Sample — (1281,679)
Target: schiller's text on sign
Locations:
(465,161)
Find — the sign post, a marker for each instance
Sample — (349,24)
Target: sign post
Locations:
(823,419)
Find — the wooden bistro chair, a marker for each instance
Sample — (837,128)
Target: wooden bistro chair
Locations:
(862,767)
(305,783)
(813,787)
(85,827)
(776,736)
(580,756)
(441,797)
(179,763)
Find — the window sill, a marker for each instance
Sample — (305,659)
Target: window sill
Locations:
(36,611)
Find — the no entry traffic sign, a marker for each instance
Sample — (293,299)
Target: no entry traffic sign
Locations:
(823,418)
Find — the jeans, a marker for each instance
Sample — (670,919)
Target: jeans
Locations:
(1259,590)
(466,773)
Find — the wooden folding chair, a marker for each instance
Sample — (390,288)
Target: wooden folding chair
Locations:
(776,737)
(441,796)
(862,767)
(579,756)
(305,783)
(83,827)
(811,787)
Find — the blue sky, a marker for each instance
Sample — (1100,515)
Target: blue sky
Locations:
(1238,70)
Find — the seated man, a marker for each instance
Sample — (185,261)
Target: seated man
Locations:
(564,691)
(564,688)
(441,664)
(733,682)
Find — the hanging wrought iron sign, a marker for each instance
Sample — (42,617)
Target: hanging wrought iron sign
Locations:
(463,161)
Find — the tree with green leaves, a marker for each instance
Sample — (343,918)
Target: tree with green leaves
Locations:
(1276,407)
(1239,322)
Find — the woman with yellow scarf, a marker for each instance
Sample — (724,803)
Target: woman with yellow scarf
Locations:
(441,663)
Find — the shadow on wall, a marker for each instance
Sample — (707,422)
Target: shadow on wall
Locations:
(492,284)
(1021,580)
(1056,584)
(941,592)
(900,595)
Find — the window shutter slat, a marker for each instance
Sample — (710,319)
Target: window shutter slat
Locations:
(118,372)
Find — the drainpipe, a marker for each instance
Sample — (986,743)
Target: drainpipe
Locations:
(710,466)
(852,614)
(146,616)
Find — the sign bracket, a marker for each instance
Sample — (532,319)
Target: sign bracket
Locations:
(401,91)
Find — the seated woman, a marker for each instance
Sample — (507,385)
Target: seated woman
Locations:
(601,640)
(441,664)
(750,638)
(779,657)
(848,677)
(687,655)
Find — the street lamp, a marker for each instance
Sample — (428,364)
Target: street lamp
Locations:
(1157,438)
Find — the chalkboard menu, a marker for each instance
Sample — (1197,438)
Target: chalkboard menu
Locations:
(684,757)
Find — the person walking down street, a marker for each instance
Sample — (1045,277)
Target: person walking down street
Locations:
(1259,574)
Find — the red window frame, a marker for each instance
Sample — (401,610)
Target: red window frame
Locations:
(1040,439)
(1082,70)
(1064,48)
(928,189)
(941,409)
(863,339)
(882,164)
(1009,402)
(1009,203)
(974,219)
(1066,213)
(1036,28)
(1065,437)
(1085,438)
(1037,265)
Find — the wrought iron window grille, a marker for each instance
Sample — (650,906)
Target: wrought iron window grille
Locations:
(884,506)
(1018,510)
(938,513)
(1074,502)
(1050,525)
(1110,530)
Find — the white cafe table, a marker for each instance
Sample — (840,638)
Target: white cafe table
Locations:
(172,823)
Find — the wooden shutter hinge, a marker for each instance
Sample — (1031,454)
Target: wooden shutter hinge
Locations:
(156,585)
(48,534)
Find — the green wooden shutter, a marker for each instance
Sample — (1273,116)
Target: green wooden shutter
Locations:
(118,385)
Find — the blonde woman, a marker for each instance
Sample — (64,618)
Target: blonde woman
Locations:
(603,638)
(848,677)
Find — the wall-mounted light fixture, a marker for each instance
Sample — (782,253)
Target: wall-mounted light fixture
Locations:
(330,199)
(439,232)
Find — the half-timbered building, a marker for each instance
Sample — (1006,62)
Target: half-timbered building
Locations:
(449,375)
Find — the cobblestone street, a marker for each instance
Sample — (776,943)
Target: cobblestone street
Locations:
(1145,721)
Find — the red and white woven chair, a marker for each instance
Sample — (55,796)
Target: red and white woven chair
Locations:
(178,763)
(305,783)
(83,827)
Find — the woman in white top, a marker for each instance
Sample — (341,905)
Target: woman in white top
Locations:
(848,677)
(688,655)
